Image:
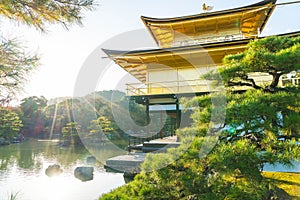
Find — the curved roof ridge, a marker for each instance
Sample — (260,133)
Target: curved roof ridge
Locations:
(207,14)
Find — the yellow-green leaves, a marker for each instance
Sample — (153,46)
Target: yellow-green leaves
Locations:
(38,13)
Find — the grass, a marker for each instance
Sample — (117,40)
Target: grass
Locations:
(290,182)
(11,196)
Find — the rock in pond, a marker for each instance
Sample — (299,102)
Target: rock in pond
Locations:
(84,173)
(53,170)
(91,160)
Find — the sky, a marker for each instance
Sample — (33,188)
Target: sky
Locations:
(65,52)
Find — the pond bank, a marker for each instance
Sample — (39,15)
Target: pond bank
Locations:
(4,141)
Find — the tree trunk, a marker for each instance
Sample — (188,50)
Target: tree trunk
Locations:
(273,86)
(275,80)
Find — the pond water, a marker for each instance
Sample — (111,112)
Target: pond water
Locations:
(22,172)
(295,167)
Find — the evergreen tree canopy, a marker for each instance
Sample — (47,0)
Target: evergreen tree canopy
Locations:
(15,66)
(276,55)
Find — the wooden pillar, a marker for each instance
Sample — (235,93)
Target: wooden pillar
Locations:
(177,114)
(161,124)
(147,115)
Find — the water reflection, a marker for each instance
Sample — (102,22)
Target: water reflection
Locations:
(23,166)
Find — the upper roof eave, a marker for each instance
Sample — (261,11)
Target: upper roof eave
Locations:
(208,14)
(149,20)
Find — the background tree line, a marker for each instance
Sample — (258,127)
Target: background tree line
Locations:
(17,62)
(65,118)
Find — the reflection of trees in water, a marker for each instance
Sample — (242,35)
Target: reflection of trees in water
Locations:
(27,159)
(6,159)
(31,155)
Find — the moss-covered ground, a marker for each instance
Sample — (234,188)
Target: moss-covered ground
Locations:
(290,182)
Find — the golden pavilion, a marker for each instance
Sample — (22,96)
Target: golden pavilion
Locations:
(188,46)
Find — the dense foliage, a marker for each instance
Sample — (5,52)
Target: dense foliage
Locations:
(10,124)
(261,125)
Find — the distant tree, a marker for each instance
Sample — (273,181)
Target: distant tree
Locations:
(32,104)
(102,125)
(10,124)
(70,133)
(100,128)
(33,117)
(56,116)
(15,62)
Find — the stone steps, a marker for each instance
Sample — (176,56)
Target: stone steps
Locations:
(131,162)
